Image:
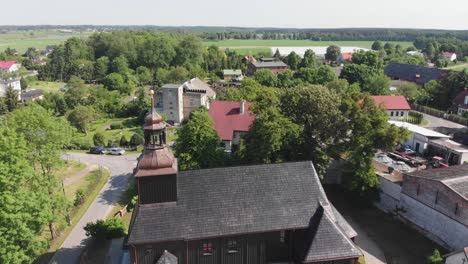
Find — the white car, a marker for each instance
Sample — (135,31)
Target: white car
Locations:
(116,151)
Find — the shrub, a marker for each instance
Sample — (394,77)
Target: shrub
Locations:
(435,258)
(99,139)
(79,197)
(106,229)
(132,203)
(116,126)
(111,144)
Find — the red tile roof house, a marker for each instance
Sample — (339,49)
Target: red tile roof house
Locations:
(396,106)
(461,102)
(231,120)
(450,56)
(9,66)
(346,56)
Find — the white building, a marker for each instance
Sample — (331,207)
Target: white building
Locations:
(397,106)
(13,83)
(177,101)
(419,136)
(450,56)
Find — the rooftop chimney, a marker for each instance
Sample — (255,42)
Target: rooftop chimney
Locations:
(242,107)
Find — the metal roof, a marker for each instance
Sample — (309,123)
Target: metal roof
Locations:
(419,130)
(232,72)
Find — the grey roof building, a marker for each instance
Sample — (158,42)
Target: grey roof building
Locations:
(271,213)
(413,73)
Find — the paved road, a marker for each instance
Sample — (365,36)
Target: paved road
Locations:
(120,168)
(440,122)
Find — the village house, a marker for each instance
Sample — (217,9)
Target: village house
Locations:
(397,106)
(14,83)
(275,66)
(412,73)
(449,56)
(177,101)
(344,56)
(231,121)
(233,75)
(9,66)
(461,102)
(434,200)
(271,213)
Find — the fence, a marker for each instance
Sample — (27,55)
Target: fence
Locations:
(438,113)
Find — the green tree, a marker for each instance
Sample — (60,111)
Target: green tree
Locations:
(332,53)
(143,75)
(265,77)
(368,58)
(435,258)
(377,45)
(81,117)
(46,137)
(309,59)
(293,60)
(123,141)
(11,98)
(316,110)
(389,48)
(198,144)
(214,59)
(3,106)
(115,81)
(377,84)
(287,79)
(24,83)
(99,139)
(430,51)
(367,131)
(106,229)
(357,73)
(22,197)
(157,51)
(325,74)
(120,65)
(188,51)
(101,68)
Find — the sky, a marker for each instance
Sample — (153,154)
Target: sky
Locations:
(433,14)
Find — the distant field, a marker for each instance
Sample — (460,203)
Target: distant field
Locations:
(21,41)
(256,44)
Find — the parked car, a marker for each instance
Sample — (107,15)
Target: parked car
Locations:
(97,150)
(116,151)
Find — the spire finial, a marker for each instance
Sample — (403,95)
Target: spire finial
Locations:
(152,99)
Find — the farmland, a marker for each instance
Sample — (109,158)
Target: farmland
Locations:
(21,41)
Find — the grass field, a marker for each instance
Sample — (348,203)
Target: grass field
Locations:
(21,41)
(46,86)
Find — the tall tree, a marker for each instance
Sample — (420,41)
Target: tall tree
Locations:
(332,53)
(309,59)
(377,45)
(198,145)
(46,136)
(11,98)
(293,60)
(22,209)
(266,77)
(81,117)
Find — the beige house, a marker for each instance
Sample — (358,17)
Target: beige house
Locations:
(177,101)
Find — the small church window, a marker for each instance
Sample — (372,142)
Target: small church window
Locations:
(232,246)
(207,249)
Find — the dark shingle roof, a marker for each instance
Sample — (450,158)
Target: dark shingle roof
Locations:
(237,200)
(167,258)
(327,241)
(408,72)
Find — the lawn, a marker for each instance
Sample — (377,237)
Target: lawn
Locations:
(458,67)
(21,41)
(46,86)
(254,43)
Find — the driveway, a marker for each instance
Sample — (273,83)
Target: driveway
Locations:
(120,168)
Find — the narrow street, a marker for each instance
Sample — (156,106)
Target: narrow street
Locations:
(120,171)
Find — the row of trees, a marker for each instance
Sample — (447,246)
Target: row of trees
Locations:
(308,122)
(31,140)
